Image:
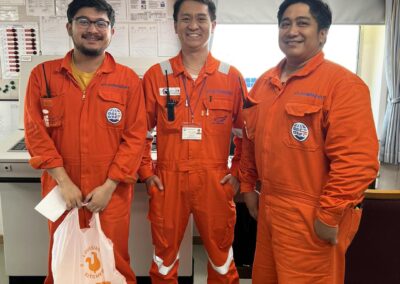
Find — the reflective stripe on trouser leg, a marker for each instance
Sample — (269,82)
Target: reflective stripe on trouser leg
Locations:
(162,269)
(223,269)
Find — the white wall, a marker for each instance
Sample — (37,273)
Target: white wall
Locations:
(370,68)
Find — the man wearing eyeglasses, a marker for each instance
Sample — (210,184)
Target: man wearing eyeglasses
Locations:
(85,127)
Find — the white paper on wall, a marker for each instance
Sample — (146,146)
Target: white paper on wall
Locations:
(168,42)
(119,7)
(61,7)
(40,7)
(54,37)
(147,10)
(143,40)
(120,41)
(12,2)
(9,13)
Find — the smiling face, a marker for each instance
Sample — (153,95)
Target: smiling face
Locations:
(299,36)
(194,26)
(90,40)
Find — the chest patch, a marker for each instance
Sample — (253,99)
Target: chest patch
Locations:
(114,115)
(220,119)
(300,131)
(173,91)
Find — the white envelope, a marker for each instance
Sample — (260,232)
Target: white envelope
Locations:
(52,205)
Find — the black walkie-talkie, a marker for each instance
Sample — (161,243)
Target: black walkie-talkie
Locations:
(48,93)
(170,103)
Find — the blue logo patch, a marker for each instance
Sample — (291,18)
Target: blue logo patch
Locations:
(114,115)
(300,131)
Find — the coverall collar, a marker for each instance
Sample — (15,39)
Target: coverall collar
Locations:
(274,75)
(107,66)
(210,67)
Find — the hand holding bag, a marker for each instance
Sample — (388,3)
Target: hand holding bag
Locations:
(83,256)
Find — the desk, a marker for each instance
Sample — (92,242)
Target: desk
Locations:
(25,230)
(26,233)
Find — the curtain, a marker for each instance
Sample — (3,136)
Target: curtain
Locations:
(390,138)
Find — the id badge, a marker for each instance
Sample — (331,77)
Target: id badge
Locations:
(191,131)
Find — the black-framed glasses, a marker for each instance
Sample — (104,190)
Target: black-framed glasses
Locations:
(84,22)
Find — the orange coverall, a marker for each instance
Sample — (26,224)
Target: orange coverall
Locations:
(87,137)
(312,143)
(191,170)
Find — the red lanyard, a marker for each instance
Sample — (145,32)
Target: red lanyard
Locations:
(188,98)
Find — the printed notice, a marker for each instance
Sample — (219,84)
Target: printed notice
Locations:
(54,36)
(143,40)
(147,10)
(40,7)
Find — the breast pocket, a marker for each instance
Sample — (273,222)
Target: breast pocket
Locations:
(218,116)
(171,126)
(303,126)
(53,111)
(110,110)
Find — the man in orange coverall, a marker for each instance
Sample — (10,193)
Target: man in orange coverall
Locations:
(85,125)
(311,142)
(195,102)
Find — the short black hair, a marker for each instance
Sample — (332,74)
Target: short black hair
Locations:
(99,5)
(212,10)
(318,9)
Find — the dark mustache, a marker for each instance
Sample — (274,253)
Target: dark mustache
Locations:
(92,35)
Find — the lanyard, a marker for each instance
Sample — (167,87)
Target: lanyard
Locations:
(188,98)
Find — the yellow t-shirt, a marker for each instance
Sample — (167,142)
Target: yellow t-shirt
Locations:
(83,78)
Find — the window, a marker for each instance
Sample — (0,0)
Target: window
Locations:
(254,48)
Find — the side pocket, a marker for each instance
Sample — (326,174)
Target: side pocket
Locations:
(356,214)
(156,216)
(53,110)
(224,227)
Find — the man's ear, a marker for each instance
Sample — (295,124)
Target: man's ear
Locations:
(323,36)
(69,28)
(213,24)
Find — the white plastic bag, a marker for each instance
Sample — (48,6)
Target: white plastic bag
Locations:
(83,256)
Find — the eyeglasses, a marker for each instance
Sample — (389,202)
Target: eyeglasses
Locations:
(85,23)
